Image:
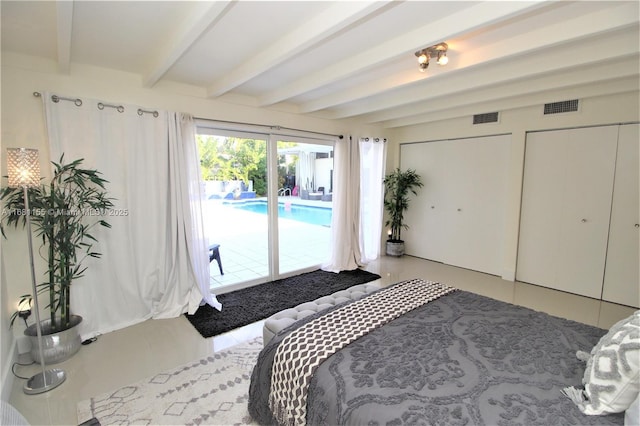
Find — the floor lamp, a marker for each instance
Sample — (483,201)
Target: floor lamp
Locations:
(23,169)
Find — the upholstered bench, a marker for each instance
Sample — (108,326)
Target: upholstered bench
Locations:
(285,318)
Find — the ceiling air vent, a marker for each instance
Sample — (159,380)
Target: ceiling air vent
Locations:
(560,107)
(488,117)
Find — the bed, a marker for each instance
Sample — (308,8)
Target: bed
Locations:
(420,352)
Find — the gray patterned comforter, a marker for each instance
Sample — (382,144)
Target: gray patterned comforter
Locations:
(463,359)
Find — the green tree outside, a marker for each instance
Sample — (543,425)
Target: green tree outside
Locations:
(229,158)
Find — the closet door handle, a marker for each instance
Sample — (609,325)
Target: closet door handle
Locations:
(584,221)
(637,225)
(459,210)
(433,207)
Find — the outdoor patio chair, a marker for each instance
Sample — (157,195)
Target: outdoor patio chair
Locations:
(214,253)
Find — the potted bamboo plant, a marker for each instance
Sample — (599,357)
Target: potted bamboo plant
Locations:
(397,186)
(64,212)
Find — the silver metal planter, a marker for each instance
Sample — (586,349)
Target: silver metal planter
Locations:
(395,248)
(56,347)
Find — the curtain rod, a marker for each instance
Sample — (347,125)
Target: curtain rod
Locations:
(270,126)
(120,108)
(101,105)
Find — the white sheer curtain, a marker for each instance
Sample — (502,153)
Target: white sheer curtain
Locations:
(307,170)
(151,265)
(373,152)
(345,221)
(186,192)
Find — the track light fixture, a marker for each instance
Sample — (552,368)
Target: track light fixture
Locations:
(438,51)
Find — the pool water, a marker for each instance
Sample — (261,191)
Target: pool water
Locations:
(313,215)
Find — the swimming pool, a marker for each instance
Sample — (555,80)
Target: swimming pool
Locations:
(313,215)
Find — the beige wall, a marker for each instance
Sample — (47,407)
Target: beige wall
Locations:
(621,108)
(23,126)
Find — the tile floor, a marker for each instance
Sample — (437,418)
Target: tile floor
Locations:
(128,355)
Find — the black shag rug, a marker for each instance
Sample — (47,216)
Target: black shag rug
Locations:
(243,307)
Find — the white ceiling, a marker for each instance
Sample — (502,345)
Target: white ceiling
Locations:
(340,59)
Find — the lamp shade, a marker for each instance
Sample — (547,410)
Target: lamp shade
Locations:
(24,305)
(23,167)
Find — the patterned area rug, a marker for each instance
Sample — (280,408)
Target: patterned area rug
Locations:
(212,390)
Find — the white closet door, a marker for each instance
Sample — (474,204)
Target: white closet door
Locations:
(426,237)
(543,186)
(477,176)
(566,208)
(458,217)
(621,281)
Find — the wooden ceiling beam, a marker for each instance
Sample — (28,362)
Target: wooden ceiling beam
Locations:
(64,21)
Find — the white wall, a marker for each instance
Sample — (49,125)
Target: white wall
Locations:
(601,110)
(323,173)
(23,126)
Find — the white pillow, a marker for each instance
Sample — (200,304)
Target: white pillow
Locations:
(612,375)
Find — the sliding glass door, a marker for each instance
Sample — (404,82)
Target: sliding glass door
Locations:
(233,167)
(305,190)
(267,205)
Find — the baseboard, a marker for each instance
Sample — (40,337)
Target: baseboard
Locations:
(509,275)
(7,375)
